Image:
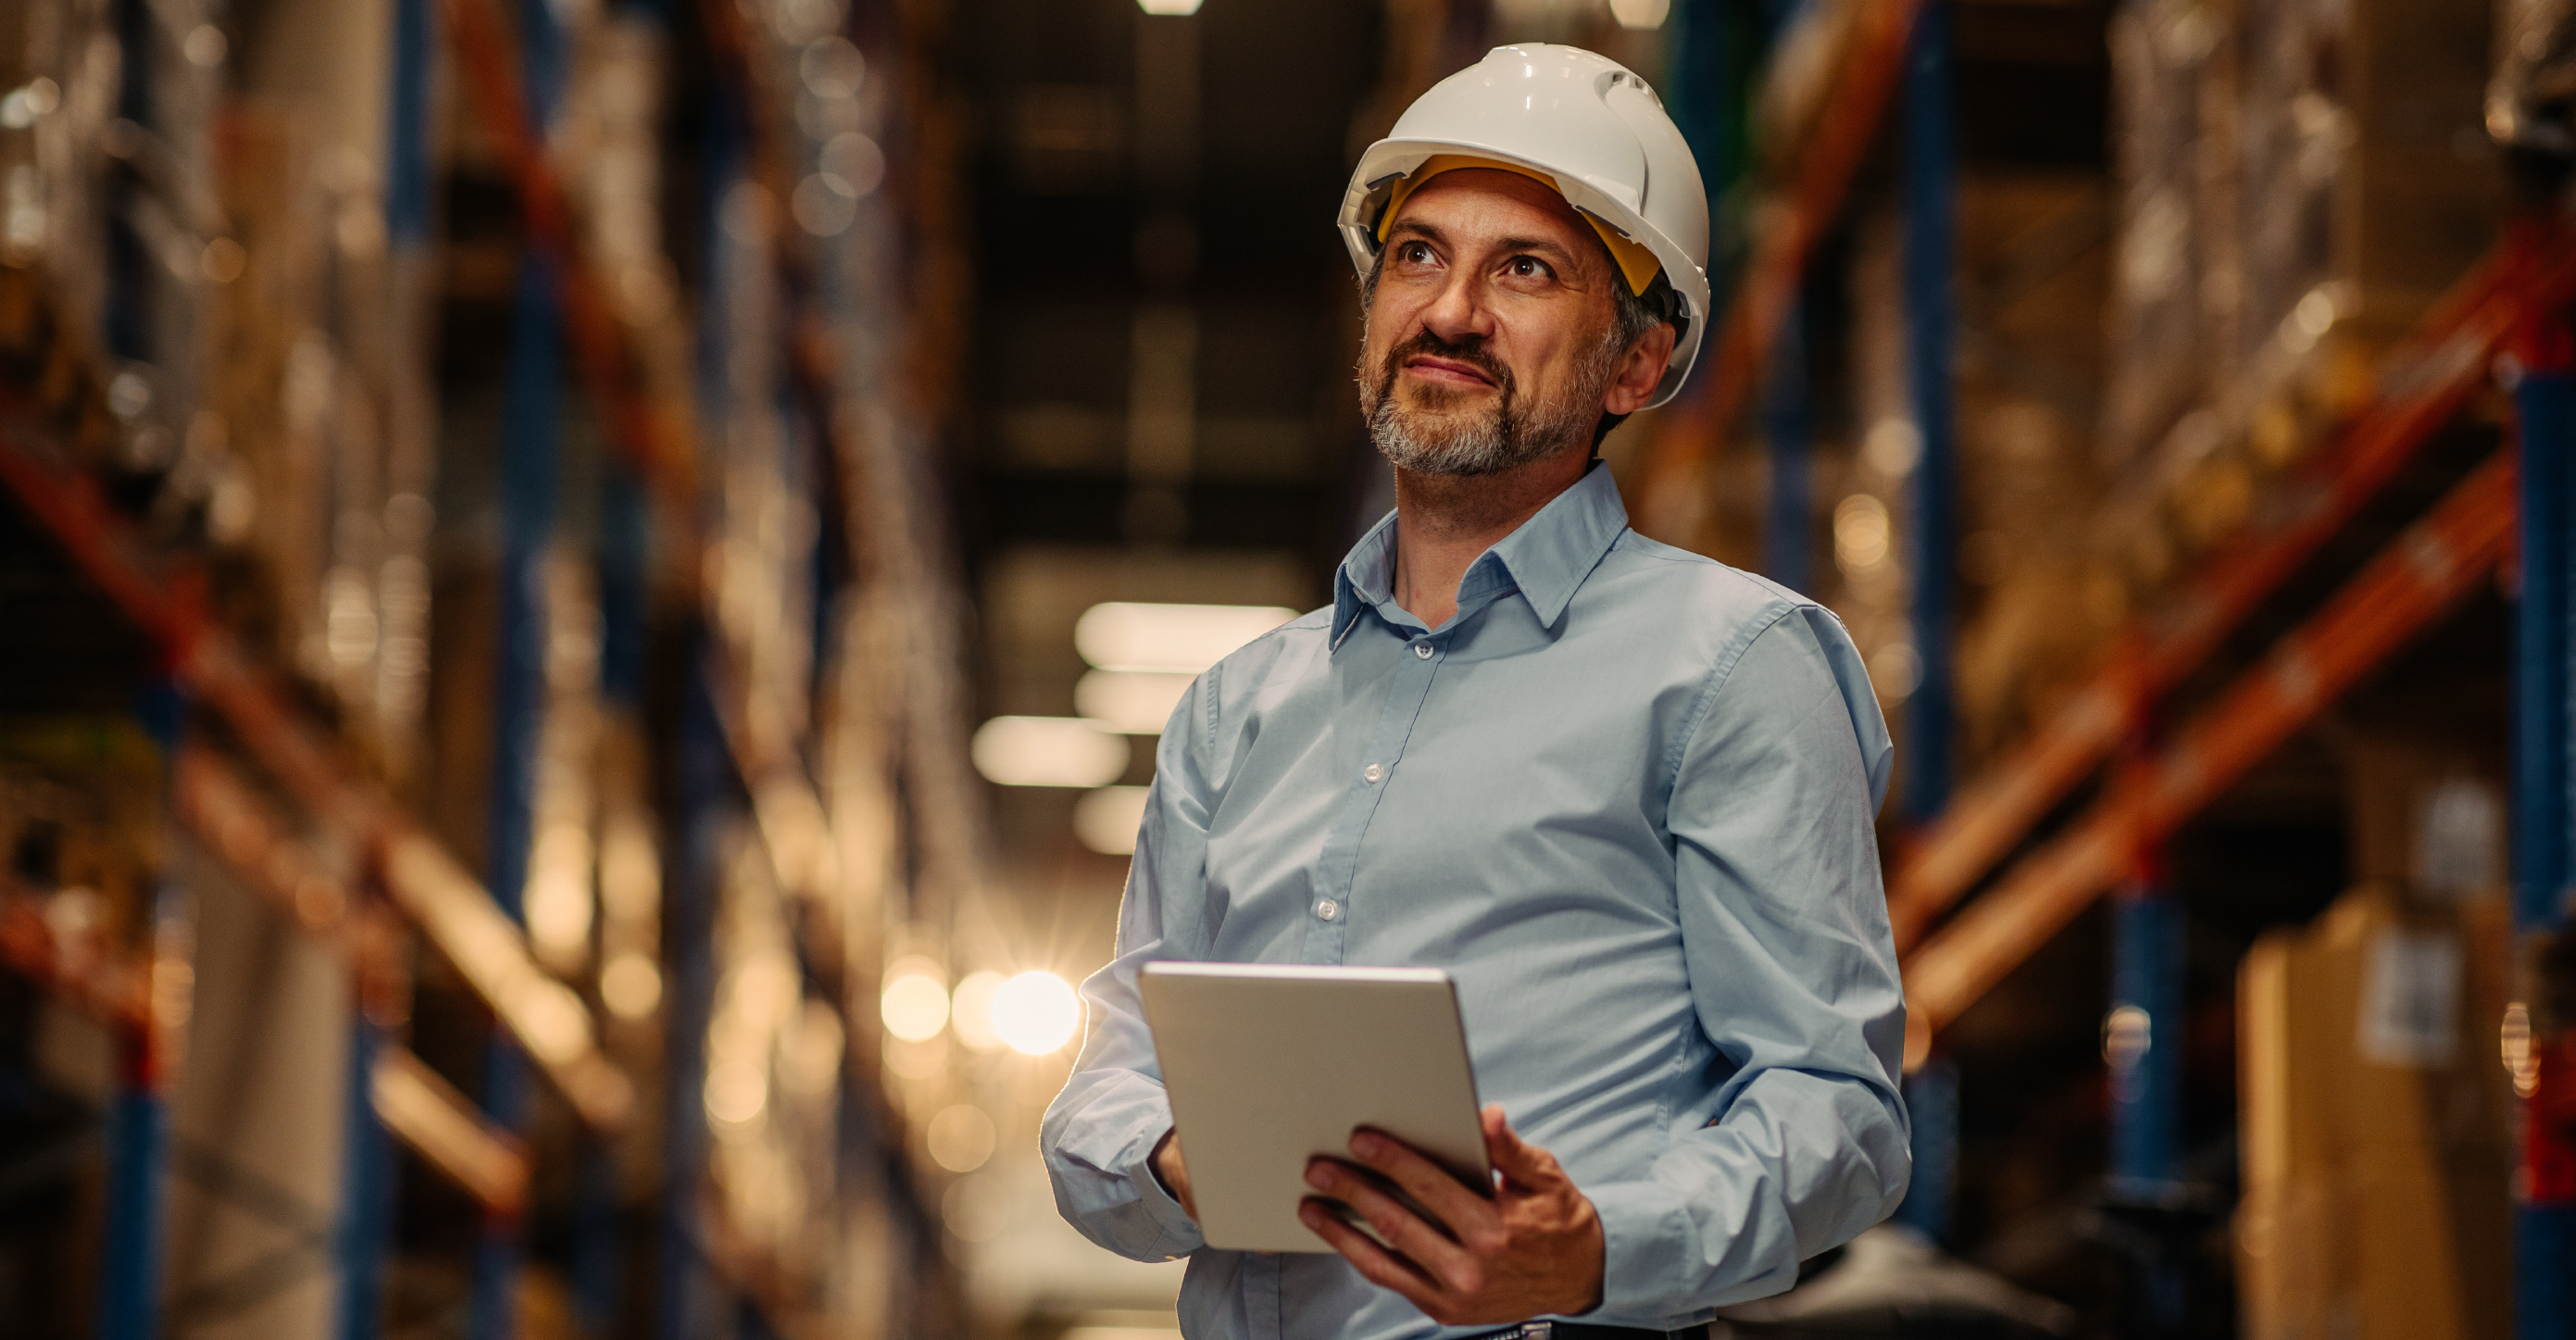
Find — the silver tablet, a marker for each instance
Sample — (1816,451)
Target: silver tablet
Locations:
(1269,1065)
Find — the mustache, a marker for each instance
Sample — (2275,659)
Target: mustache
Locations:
(1470,352)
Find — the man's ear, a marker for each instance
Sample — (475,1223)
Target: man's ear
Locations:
(1640,369)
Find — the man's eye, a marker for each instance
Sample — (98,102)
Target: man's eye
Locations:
(1413,253)
(1527,267)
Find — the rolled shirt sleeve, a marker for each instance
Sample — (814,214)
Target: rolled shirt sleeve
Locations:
(1793,976)
(1099,1133)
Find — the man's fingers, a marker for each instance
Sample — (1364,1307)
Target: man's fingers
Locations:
(1174,1172)
(1377,1264)
(1426,1181)
(1517,1159)
(1425,1245)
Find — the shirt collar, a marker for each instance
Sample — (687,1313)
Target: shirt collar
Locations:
(1546,559)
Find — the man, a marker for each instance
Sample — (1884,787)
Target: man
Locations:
(1623,794)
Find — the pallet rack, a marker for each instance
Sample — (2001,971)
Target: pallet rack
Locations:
(351,857)
(2509,311)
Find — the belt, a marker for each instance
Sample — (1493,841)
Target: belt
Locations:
(1576,1330)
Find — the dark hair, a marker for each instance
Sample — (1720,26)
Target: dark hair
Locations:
(1631,316)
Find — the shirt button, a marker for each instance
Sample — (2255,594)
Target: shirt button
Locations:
(1422,650)
(1328,909)
(1374,774)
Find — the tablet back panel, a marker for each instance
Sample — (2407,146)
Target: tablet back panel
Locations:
(1268,1065)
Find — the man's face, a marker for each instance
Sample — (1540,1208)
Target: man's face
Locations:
(1487,342)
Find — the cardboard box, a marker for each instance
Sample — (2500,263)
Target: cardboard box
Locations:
(2376,1144)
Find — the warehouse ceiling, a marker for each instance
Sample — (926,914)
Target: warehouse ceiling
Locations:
(1152,201)
(1155,401)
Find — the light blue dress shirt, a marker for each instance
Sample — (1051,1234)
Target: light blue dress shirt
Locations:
(1624,797)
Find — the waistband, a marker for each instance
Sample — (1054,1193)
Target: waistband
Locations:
(1575,1330)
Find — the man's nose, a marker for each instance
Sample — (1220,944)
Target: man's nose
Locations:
(1458,312)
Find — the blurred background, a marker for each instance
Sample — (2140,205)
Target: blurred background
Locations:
(587,588)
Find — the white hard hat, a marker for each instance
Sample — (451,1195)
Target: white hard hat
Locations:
(1582,122)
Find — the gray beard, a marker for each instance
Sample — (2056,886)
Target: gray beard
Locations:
(1512,435)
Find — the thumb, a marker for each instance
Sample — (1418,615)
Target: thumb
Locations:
(1517,1159)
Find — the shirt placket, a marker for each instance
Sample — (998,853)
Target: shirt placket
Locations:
(1328,918)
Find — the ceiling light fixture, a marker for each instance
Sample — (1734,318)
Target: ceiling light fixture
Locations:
(1131,702)
(1048,751)
(1175,639)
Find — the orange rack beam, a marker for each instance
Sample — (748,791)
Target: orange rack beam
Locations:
(455,910)
(2391,599)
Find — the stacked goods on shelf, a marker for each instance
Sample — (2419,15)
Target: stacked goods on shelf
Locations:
(204,268)
(2375,1123)
(322,525)
(2531,104)
(106,197)
(61,63)
(274,384)
(2379,105)
(2168,60)
(2301,179)
(2366,186)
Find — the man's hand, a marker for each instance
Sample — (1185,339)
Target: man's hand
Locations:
(1175,1174)
(1535,1248)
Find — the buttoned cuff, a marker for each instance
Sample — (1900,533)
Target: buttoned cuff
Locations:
(1645,1234)
(1180,1233)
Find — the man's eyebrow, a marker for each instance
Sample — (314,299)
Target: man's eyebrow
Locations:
(1542,245)
(1428,233)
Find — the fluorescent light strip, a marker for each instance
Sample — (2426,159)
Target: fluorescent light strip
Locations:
(1174,639)
(1048,751)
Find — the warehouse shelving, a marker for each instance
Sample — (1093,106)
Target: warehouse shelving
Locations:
(324,842)
(2429,381)
(1961,926)
(2396,595)
(421,877)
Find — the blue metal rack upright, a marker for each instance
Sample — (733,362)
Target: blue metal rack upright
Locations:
(1788,428)
(2143,1037)
(531,469)
(708,801)
(2544,1304)
(1931,183)
(138,1135)
(1930,193)
(689,1302)
(138,1116)
(363,1237)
